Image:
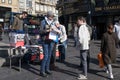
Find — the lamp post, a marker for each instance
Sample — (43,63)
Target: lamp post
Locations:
(65,18)
(89,17)
(90,13)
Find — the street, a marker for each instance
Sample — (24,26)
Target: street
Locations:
(64,71)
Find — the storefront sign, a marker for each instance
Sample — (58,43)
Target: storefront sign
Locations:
(70,10)
(115,7)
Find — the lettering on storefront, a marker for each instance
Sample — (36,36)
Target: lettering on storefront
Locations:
(98,9)
(107,8)
(71,10)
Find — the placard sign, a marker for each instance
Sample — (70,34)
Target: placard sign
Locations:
(16,39)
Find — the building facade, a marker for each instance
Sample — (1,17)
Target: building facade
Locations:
(26,5)
(7,6)
(42,6)
(33,7)
(69,10)
(105,11)
(97,13)
(10,4)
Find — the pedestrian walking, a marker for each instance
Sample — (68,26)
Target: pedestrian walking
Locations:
(84,38)
(94,36)
(108,48)
(48,45)
(117,30)
(75,34)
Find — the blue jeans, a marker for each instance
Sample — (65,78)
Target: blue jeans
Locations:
(47,49)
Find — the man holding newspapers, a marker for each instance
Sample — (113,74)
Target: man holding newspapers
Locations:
(48,37)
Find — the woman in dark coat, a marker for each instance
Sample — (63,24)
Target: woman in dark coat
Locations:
(108,48)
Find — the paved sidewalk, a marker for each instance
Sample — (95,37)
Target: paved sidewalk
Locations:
(65,71)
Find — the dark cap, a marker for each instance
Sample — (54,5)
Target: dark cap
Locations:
(50,14)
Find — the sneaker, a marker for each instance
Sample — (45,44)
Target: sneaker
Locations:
(43,74)
(48,72)
(81,77)
(111,76)
(107,71)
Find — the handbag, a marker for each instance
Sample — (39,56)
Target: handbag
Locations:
(100,59)
(41,56)
(57,53)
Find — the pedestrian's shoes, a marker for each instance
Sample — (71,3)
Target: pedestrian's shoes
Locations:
(43,74)
(81,77)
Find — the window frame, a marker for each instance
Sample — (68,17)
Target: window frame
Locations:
(9,1)
(3,1)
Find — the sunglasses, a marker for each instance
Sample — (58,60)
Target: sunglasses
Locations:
(111,28)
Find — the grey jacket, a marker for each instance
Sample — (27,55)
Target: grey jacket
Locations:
(18,23)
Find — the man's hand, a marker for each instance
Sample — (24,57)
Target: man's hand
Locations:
(59,32)
(48,30)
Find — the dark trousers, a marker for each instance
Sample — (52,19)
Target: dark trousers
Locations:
(88,60)
(62,49)
(83,54)
(62,52)
(53,56)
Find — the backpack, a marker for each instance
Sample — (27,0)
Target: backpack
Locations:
(89,29)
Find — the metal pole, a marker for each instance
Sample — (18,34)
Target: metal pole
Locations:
(10,58)
(20,56)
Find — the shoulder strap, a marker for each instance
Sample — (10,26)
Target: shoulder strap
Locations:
(49,24)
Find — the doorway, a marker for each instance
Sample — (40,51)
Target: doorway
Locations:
(101,28)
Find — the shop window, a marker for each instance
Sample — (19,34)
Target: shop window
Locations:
(3,1)
(99,3)
(9,1)
(65,0)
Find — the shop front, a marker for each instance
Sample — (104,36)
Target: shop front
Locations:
(71,12)
(104,15)
(4,16)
